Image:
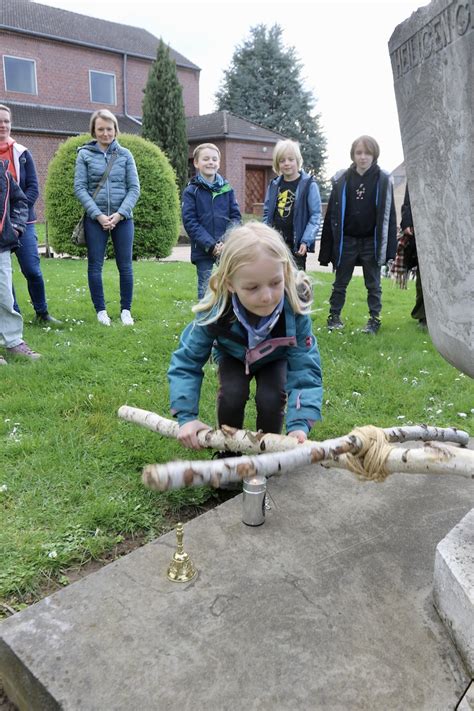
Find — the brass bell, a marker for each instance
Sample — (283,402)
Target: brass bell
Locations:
(181,568)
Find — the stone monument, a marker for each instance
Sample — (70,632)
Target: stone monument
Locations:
(432,64)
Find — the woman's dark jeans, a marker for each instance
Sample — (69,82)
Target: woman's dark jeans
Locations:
(234,390)
(96,240)
(29,261)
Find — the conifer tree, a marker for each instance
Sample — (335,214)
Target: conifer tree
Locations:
(163,113)
(264,84)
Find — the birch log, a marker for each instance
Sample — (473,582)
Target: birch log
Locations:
(176,475)
(230,439)
(432,458)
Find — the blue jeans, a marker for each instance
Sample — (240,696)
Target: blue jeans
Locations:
(11,323)
(204,270)
(29,261)
(96,240)
(357,250)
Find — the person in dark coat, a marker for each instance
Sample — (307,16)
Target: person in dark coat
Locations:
(22,168)
(411,259)
(209,209)
(359,228)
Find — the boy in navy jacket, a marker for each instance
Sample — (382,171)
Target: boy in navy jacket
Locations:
(209,209)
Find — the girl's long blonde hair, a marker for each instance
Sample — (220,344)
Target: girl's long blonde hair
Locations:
(242,245)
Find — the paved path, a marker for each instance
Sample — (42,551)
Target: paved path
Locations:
(181,253)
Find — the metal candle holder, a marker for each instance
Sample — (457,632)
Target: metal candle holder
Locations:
(181,568)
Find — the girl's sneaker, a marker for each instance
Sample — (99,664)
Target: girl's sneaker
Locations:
(23,349)
(103,318)
(126,317)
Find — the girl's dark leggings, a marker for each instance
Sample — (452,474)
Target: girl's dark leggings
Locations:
(234,391)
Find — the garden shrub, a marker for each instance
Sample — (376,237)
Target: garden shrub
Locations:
(156,214)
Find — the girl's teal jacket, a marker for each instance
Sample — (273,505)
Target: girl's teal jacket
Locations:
(291,338)
(121,189)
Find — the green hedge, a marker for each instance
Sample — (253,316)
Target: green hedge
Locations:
(156,214)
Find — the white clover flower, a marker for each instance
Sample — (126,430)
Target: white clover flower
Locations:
(355,393)
(53,554)
(462,414)
(400,417)
(3,488)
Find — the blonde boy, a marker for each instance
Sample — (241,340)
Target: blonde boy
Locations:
(292,203)
(209,208)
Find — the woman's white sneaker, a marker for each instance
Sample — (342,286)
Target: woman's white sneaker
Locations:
(126,317)
(103,318)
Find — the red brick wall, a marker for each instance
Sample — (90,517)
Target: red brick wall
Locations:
(62,74)
(189,80)
(42,148)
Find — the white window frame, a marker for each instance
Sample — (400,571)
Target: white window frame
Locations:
(109,74)
(21,59)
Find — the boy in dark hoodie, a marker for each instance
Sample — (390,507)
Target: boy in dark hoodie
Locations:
(13,217)
(359,228)
(209,209)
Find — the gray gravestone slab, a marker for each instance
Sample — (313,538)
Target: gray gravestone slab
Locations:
(432,64)
(328,605)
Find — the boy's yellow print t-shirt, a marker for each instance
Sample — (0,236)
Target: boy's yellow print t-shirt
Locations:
(283,219)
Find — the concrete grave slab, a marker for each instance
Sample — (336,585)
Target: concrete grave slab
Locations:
(328,604)
(453,586)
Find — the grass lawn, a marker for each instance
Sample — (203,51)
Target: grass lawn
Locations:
(70,487)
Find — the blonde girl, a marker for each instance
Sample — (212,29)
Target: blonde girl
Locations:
(255,319)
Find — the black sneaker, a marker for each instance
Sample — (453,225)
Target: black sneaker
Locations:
(46,319)
(372,325)
(334,322)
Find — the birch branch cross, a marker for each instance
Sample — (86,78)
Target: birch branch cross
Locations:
(279,453)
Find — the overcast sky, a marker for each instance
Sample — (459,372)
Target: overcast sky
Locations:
(342,46)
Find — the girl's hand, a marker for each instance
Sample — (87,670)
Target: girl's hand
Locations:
(303,249)
(187,433)
(299,435)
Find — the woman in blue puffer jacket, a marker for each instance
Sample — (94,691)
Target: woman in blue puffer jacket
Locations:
(110,211)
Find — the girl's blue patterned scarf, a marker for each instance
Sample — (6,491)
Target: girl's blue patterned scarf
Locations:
(216,185)
(260,331)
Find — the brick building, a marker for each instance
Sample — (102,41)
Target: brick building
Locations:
(59,66)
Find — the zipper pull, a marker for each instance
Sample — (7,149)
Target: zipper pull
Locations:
(247,368)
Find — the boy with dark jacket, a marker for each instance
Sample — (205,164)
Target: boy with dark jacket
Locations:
(209,209)
(13,217)
(359,228)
